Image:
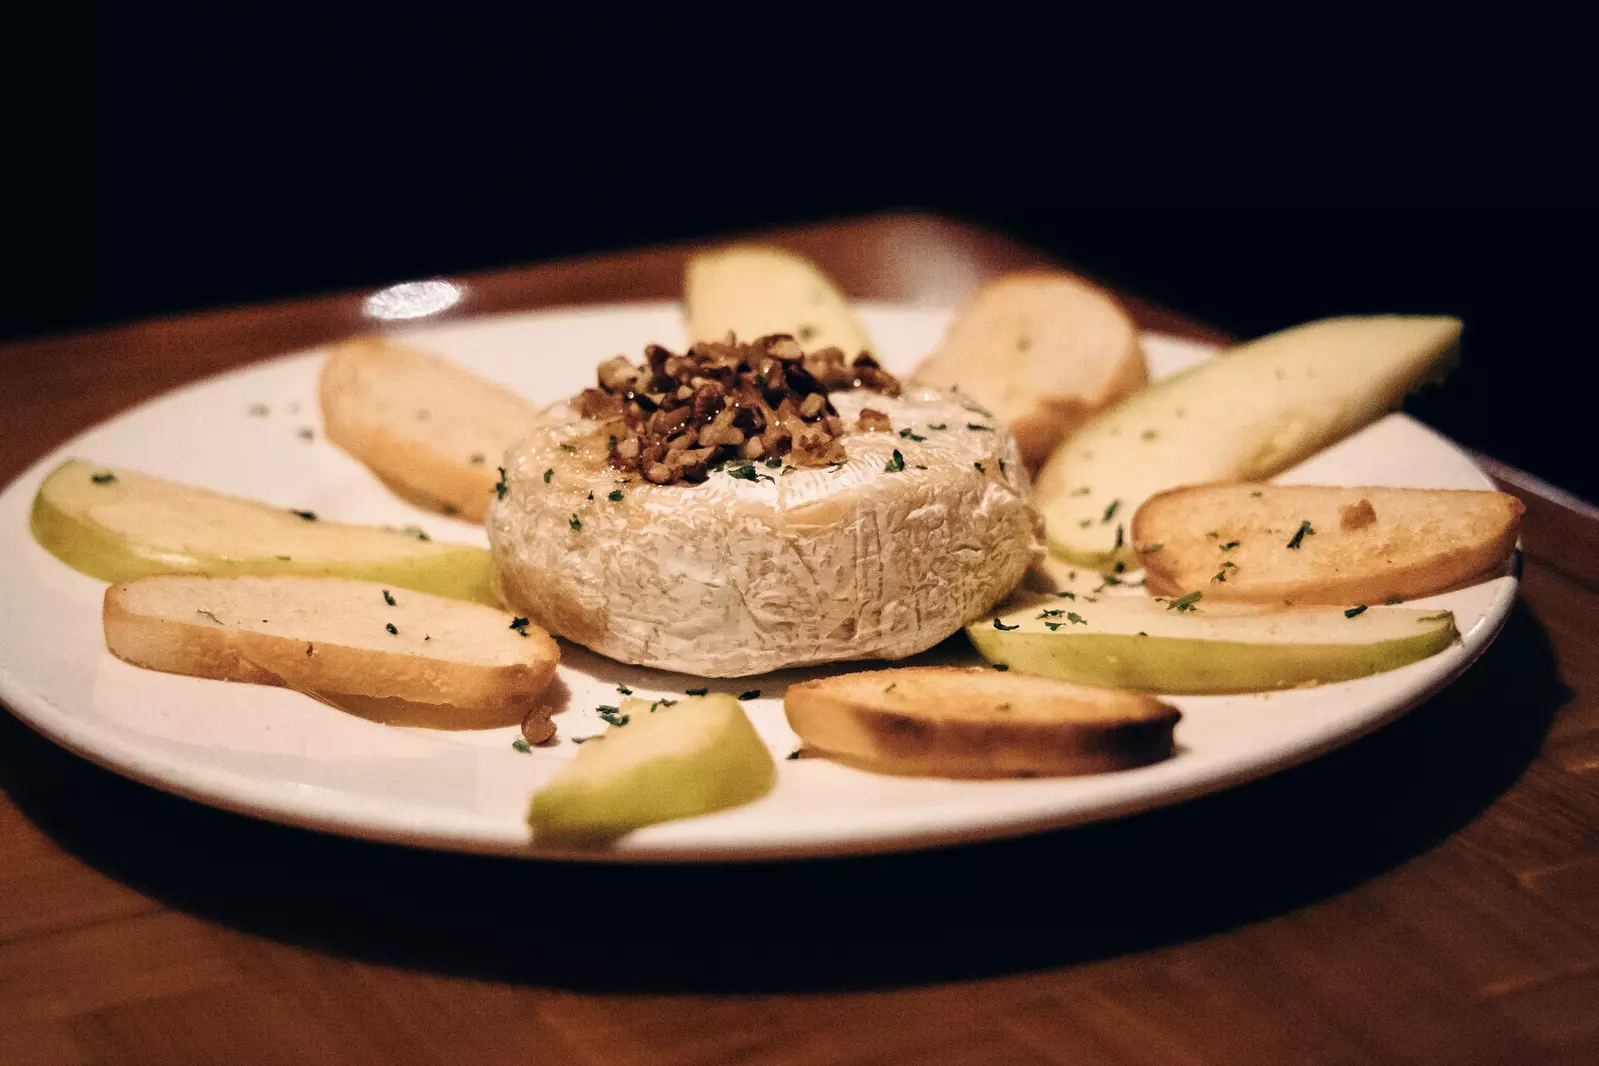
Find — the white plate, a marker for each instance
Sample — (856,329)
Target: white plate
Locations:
(278,755)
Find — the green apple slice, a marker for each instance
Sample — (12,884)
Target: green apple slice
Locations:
(697,756)
(117,525)
(1185,646)
(1252,412)
(752,290)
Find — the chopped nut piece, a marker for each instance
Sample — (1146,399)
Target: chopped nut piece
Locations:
(617,373)
(659,473)
(873,421)
(1356,515)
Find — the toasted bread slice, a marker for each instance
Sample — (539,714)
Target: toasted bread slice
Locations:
(1242,542)
(1043,350)
(949,722)
(753,290)
(432,432)
(334,638)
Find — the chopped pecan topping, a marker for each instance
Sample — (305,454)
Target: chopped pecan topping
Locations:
(874,421)
(677,417)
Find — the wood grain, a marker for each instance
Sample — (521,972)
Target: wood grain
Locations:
(1427,895)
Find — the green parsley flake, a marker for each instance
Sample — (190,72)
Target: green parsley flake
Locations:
(1052,626)
(1084,491)
(908,435)
(522,746)
(980,469)
(1304,530)
(547,475)
(745,470)
(1229,546)
(894,465)
(391,629)
(695,691)
(520,625)
(585,740)
(752,694)
(388,597)
(1001,667)
(569,447)
(940,427)
(575,523)
(1076,619)
(416,531)
(1185,603)
(1003,627)
(981,429)
(1121,537)
(500,486)
(1151,550)
(1391,600)
(1110,512)
(1053,614)
(1067,595)
(309,516)
(793,754)
(612,715)
(615,496)
(774,462)
(624,690)
(103,479)
(1355,610)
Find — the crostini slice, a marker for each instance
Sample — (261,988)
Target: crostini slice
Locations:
(1259,543)
(977,723)
(434,433)
(1043,350)
(333,637)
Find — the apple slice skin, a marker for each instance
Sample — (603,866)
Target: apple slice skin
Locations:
(585,807)
(1199,666)
(461,572)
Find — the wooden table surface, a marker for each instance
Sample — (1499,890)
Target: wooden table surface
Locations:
(1429,894)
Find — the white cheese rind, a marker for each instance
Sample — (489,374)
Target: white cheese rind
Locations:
(731,578)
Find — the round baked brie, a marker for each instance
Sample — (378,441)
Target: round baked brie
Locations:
(922,529)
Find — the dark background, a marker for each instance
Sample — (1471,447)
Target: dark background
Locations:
(169,164)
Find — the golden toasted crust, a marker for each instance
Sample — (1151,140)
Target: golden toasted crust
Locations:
(1043,350)
(978,723)
(1363,545)
(328,640)
(432,432)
